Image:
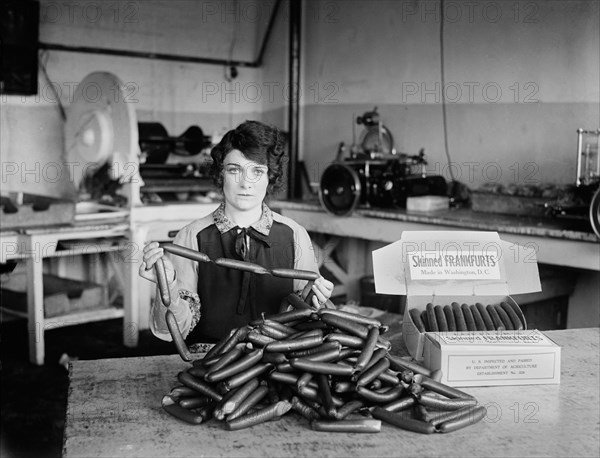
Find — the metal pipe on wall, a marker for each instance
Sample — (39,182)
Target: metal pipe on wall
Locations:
(171,57)
(294,100)
(146,55)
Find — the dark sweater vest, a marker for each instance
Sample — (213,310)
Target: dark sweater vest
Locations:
(231,298)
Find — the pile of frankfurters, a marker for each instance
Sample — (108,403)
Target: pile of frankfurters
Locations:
(332,367)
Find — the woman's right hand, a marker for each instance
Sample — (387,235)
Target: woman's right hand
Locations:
(152,253)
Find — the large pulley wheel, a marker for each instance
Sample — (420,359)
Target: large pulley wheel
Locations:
(595,212)
(339,190)
(101,128)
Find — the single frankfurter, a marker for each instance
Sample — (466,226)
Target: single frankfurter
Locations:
(180,344)
(163,284)
(461,324)
(295,273)
(450,318)
(498,324)
(416,318)
(479,323)
(402,421)
(468,418)
(469,319)
(441,318)
(514,317)
(431,319)
(504,317)
(487,319)
(366,425)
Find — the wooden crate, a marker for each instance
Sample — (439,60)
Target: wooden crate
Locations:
(61,295)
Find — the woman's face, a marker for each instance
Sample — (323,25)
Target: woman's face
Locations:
(244,181)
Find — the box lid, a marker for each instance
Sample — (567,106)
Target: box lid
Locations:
(454,262)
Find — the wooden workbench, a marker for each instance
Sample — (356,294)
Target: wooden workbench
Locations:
(561,242)
(114,410)
(343,245)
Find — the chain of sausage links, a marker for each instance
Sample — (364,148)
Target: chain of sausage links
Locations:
(239,265)
(179,250)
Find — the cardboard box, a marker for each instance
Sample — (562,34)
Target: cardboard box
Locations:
(493,358)
(415,340)
(442,267)
(424,204)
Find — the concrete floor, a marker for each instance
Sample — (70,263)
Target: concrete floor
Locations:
(34,398)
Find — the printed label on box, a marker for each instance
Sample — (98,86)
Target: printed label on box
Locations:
(437,265)
(538,366)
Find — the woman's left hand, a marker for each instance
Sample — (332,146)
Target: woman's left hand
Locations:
(322,290)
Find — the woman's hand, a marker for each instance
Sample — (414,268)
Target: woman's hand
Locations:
(152,252)
(322,290)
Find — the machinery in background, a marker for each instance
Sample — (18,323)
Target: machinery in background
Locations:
(100,156)
(375,174)
(375,139)
(578,204)
(101,147)
(166,180)
(120,168)
(585,201)
(120,162)
(115,165)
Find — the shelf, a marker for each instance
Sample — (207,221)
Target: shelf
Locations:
(87,316)
(13,312)
(95,212)
(87,249)
(72,319)
(81,240)
(34,244)
(83,230)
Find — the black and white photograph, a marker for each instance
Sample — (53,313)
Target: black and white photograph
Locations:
(299,228)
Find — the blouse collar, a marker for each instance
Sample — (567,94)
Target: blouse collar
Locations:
(224,224)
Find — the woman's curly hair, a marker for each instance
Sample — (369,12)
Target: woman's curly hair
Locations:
(258,142)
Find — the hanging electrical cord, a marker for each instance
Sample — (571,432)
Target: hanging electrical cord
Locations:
(42,64)
(443,83)
(231,72)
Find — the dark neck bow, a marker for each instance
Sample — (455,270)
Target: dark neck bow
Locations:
(241,241)
(243,250)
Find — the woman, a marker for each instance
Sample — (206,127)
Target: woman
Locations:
(208,300)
